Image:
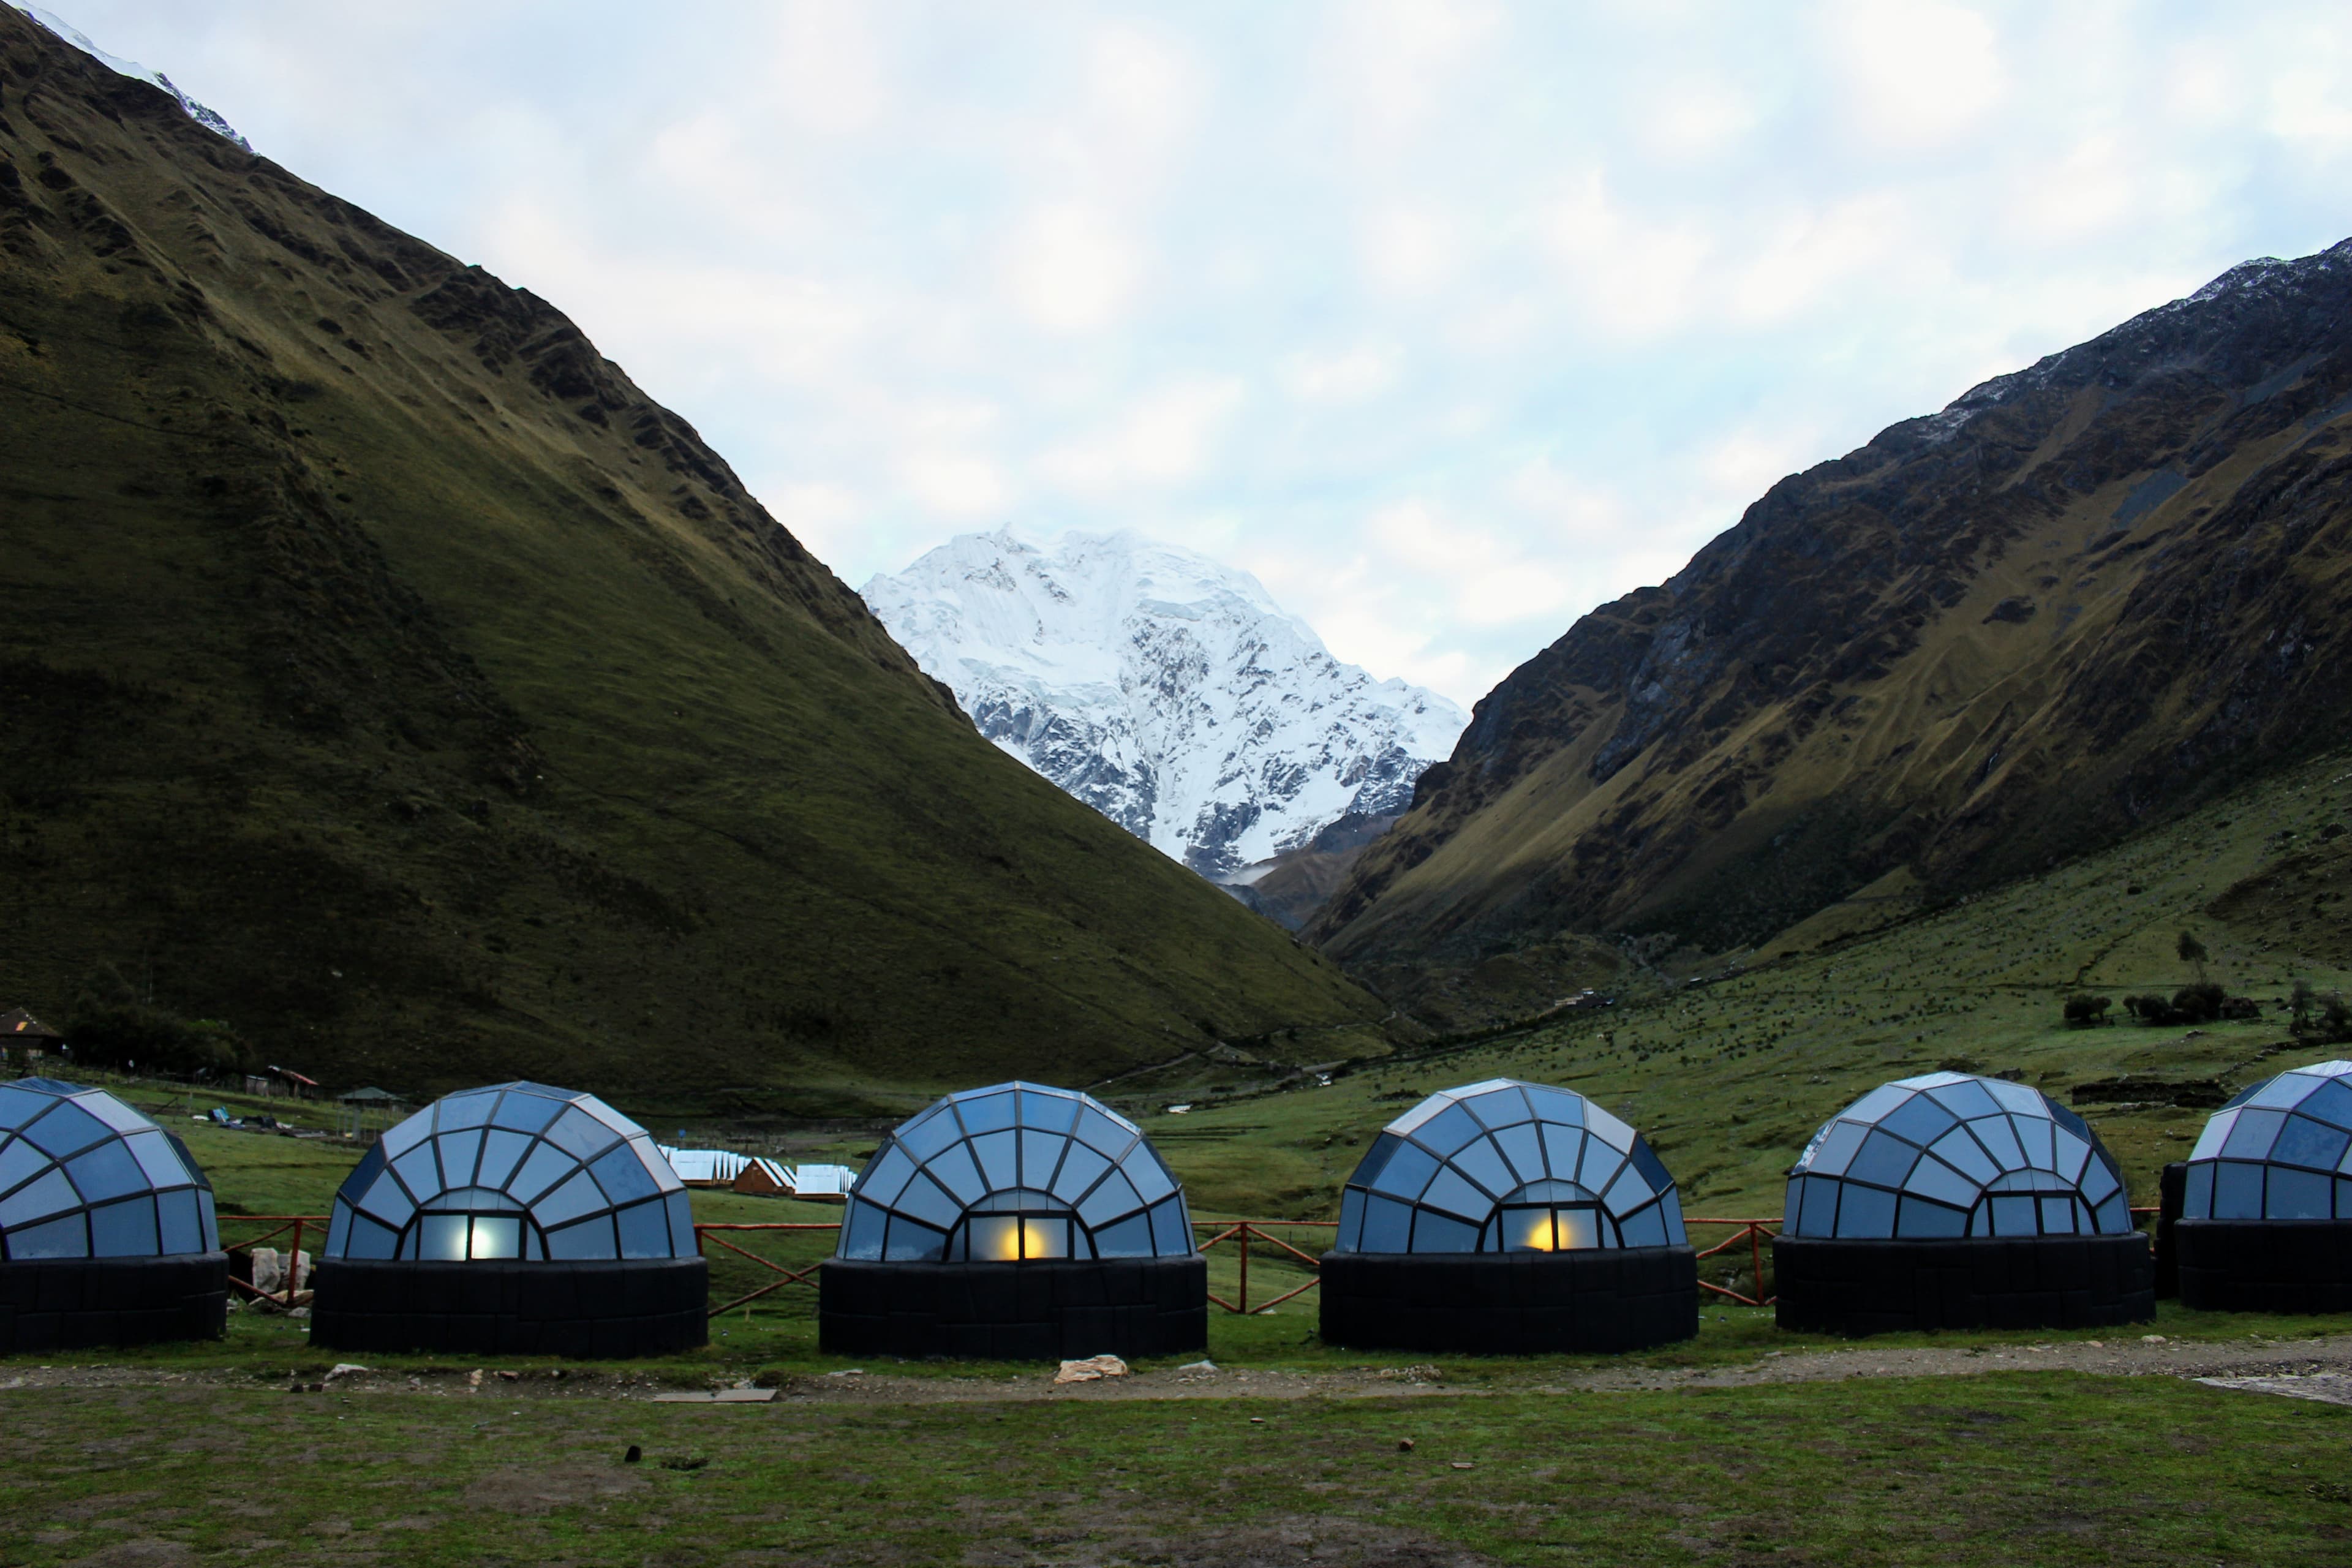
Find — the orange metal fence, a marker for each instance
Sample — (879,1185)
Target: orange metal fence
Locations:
(1240,1233)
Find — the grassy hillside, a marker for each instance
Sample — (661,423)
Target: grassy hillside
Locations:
(2082,599)
(388,676)
(1728,1077)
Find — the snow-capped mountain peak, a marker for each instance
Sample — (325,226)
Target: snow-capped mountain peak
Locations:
(120,67)
(1165,690)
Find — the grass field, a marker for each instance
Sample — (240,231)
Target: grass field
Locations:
(2049,1469)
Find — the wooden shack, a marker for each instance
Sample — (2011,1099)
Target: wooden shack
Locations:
(27,1037)
(765,1178)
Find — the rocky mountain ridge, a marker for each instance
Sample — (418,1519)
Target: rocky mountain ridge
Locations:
(1164,689)
(2079,598)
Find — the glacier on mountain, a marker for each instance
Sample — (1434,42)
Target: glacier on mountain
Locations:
(1166,691)
(132,68)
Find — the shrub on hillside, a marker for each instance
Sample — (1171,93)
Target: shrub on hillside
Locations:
(2199,1004)
(2149,1009)
(2085,1009)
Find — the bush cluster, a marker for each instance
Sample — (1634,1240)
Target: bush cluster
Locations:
(2203,1003)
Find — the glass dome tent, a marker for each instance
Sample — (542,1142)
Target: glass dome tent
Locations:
(107,1230)
(1952,1200)
(2266,1220)
(1509,1216)
(515,1218)
(1018,1222)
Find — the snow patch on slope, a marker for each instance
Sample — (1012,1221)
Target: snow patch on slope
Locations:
(1166,691)
(132,68)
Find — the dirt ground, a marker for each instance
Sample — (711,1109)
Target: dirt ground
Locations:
(2317,1368)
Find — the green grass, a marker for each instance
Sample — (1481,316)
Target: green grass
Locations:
(2046,1469)
(1729,1078)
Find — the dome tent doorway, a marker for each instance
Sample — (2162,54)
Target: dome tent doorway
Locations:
(107,1230)
(2265,1221)
(1509,1217)
(1954,1201)
(1019,1223)
(516,1218)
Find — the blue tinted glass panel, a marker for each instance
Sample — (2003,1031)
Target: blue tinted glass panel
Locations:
(2014,1217)
(2303,1141)
(2251,1138)
(2298,1194)
(959,1173)
(1498,1107)
(928,1134)
(1041,1154)
(861,1237)
(1447,1131)
(51,1193)
(682,1240)
(1830,1159)
(106,1172)
(1917,1217)
(1151,1180)
(1966,1100)
(2034,1136)
(65,1129)
(578,1196)
(1170,1235)
(1644,1227)
(1864,1213)
(986,1113)
(1052,1112)
(1451,1191)
(461,1110)
(1102,1133)
(1920,1119)
(1433,1232)
(500,1151)
(2331,1103)
(1563,1147)
(579,1135)
(158,1160)
(1388,1225)
(524,1112)
(1407,1171)
(999,1157)
(1111,1198)
(1081,1167)
(912,1241)
(19,1160)
(179,1226)
(2000,1142)
(1652,1170)
(580,1243)
(644,1230)
(2057,1216)
(460,1152)
(1523,1146)
(924,1199)
(624,1177)
(67,1237)
(125,1229)
(2236,1189)
(1131,1237)
(542,1169)
(370,1240)
(886,1176)
(1484,1163)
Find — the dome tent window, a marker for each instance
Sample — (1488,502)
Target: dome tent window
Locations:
(2265,1221)
(1509,1216)
(1015,1221)
(107,1227)
(1896,1207)
(517,1217)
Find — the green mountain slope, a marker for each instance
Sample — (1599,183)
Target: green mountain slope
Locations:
(2081,599)
(385,675)
(1729,1077)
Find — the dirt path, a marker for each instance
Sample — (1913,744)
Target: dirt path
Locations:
(2312,1368)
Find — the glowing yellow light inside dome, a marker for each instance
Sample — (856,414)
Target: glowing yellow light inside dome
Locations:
(1534,1230)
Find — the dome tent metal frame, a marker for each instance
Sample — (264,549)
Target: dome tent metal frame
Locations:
(1019,1222)
(2265,1202)
(512,1217)
(1506,1217)
(1953,1200)
(107,1233)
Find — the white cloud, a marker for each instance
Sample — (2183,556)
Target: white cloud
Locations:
(1070,268)
(1450,318)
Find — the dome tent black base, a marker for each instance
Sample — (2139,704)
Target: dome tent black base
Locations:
(1046,1310)
(1510,1303)
(82,1303)
(1841,1286)
(2265,1265)
(644,1306)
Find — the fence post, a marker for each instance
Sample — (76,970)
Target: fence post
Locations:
(1244,1296)
(293,1260)
(1756,1259)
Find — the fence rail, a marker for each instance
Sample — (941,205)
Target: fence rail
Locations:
(1240,1233)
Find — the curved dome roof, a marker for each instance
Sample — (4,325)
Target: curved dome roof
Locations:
(516,1170)
(84,1175)
(1951,1154)
(2283,1150)
(1016,1171)
(1507,1166)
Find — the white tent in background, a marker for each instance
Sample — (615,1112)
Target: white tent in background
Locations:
(705,1167)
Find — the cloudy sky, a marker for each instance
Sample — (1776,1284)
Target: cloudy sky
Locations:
(1448,321)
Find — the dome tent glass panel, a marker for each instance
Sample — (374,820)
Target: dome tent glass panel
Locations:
(84,1175)
(1952,1155)
(1507,1166)
(517,1170)
(1016,1172)
(2281,1150)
